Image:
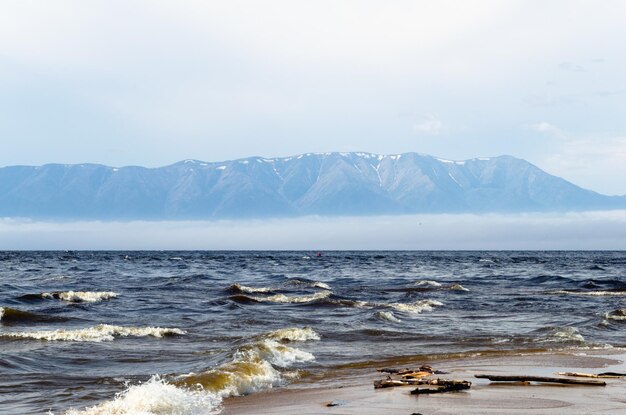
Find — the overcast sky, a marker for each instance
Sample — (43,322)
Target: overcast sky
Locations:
(152,82)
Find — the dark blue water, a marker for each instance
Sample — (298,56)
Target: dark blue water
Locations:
(208,322)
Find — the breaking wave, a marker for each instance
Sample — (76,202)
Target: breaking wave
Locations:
(387,316)
(415,307)
(99,333)
(282,298)
(254,367)
(293,334)
(311,284)
(560,334)
(249,290)
(428,283)
(155,397)
(81,296)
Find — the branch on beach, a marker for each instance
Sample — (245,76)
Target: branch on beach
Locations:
(498,378)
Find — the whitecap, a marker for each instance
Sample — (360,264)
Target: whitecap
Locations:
(415,307)
(282,298)
(457,287)
(293,334)
(156,397)
(81,296)
(250,290)
(428,283)
(386,315)
(560,334)
(99,333)
(593,293)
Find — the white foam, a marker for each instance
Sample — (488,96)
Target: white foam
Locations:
(81,296)
(251,290)
(294,334)
(416,307)
(322,285)
(428,283)
(1,312)
(99,333)
(156,397)
(282,298)
(457,287)
(565,334)
(387,315)
(593,293)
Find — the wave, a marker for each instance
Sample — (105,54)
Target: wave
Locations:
(155,397)
(293,334)
(12,315)
(81,296)
(428,283)
(387,316)
(254,367)
(309,283)
(618,315)
(99,333)
(282,298)
(415,307)
(249,290)
(617,293)
(560,334)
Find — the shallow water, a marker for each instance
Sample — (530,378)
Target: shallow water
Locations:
(77,328)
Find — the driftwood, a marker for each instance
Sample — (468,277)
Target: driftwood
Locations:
(498,378)
(445,386)
(609,375)
(389,383)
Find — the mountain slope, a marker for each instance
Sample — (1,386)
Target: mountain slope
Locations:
(324,184)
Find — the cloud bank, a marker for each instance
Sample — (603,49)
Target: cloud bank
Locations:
(570,231)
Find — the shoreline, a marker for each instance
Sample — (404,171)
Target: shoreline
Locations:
(354,392)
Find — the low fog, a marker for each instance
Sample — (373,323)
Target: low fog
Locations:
(570,231)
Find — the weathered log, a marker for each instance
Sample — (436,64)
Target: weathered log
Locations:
(610,375)
(388,383)
(499,378)
(413,375)
(446,386)
(616,374)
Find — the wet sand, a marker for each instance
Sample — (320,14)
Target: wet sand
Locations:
(354,392)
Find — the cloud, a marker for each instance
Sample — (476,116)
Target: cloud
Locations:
(571,67)
(587,230)
(431,125)
(547,128)
(580,159)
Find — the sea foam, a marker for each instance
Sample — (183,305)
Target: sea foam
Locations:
(99,333)
(155,397)
(416,307)
(593,293)
(81,296)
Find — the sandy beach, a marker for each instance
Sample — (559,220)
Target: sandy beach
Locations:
(353,392)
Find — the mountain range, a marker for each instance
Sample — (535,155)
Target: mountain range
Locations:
(326,184)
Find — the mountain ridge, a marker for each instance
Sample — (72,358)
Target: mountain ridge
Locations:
(354,183)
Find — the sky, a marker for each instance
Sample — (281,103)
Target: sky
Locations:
(155,82)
